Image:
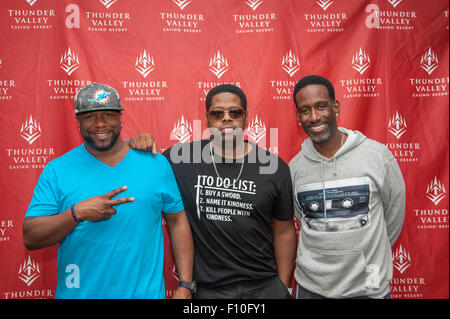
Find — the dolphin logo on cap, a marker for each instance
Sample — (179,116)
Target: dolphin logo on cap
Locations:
(101,97)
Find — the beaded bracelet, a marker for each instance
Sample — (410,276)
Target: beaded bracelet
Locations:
(73,214)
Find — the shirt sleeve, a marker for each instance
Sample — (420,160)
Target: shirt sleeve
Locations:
(45,200)
(172,202)
(284,209)
(393,197)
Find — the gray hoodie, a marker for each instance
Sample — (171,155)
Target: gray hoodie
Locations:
(350,209)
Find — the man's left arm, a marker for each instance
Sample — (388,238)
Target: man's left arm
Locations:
(393,197)
(183,249)
(285,244)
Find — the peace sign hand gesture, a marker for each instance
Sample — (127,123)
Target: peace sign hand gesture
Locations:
(101,207)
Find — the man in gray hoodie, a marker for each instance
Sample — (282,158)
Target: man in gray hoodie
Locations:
(349,199)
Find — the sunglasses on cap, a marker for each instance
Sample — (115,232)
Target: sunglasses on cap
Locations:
(235,114)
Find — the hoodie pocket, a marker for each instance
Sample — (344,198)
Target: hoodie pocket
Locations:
(335,274)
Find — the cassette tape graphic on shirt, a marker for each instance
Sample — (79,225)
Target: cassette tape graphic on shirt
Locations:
(346,204)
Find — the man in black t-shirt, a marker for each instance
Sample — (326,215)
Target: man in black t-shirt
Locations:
(238,199)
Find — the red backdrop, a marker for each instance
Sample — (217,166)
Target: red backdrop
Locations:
(388,60)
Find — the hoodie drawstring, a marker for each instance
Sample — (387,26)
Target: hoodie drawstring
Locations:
(323,191)
(322,168)
(334,171)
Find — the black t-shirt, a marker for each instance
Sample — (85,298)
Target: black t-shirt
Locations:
(232,223)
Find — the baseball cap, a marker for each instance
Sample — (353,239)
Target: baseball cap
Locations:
(97,97)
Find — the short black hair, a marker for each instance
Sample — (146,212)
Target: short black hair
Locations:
(314,79)
(226,88)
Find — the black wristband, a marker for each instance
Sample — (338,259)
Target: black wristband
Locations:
(191,285)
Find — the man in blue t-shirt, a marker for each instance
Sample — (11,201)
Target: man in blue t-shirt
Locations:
(109,247)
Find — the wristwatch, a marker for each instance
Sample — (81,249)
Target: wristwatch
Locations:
(191,285)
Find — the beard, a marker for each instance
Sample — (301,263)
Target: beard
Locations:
(319,138)
(103,148)
(324,135)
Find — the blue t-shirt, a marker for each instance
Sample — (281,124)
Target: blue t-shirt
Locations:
(121,257)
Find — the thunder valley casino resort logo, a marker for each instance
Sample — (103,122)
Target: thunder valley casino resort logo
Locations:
(28,272)
(148,90)
(144,64)
(186,22)
(6,229)
(69,61)
(428,85)
(257,133)
(434,218)
(182,3)
(182,131)
(404,152)
(106,20)
(402,285)
(429,61)
(6,86)
(436,191)
(391,20)
(28,157)
(361,61)
(35,18)
(283,89)
(218,65)
(395,2)
(256,129)
(30,130)
(323,19)
(324,4)
(397,126)
(64,88)
(107,3)
(290,63)
(254,21)
(254,4)
(359,86)
(401,259)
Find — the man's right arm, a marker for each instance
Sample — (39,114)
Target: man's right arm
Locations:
(44,231)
